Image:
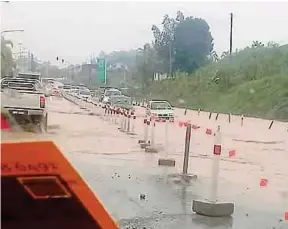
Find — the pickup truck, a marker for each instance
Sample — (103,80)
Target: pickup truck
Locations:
(23,101)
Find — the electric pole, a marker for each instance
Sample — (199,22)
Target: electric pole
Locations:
(90,71)
(170,59)
(231,33)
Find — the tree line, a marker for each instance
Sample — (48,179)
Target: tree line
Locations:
(180,44)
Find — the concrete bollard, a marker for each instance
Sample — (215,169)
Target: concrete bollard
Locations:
(152,148)
(144,133)
(117,116)
(166,161)
(184,176)
(114,115)
(133,125)
(122,121)
(145,143)
(187,148)
(125,121)
(133,122)
(212,207)
(128,122)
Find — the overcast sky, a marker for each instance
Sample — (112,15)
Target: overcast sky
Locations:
(75,30)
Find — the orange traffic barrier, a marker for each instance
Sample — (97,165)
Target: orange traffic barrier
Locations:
(41,189)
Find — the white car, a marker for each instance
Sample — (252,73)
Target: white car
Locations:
(110,92)
(84,94)
(160,109)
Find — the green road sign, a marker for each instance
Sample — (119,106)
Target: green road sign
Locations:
(101,70)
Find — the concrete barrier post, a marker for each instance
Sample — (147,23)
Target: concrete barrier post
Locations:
(166,138)
(152,147)
(128,122)
(187,149)
(271,124)
(215,165)
(121,121)
(153,135)
(141,141)
(210,114)
(212,207)
(147,130)
(146,142)
(133,124)
(125,121)
(166,161)
(116,116)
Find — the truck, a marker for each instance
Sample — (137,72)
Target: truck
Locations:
(29,75)
(23,101)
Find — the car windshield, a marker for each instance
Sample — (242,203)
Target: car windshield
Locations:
(111,93)
(160,106)
(85,92)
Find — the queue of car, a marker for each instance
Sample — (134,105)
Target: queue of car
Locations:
(109,96)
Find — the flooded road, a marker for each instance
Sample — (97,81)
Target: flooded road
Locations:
(140,194)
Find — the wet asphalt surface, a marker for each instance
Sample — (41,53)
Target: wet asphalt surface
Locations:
(140,194)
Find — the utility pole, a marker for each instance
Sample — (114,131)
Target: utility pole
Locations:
(170,59)
(230,46)
(90,71)
(231,33)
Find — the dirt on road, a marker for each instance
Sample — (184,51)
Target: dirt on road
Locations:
(119,172)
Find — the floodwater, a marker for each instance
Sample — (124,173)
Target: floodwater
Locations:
(140,194)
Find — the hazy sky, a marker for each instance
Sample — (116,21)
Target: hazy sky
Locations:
(75,30)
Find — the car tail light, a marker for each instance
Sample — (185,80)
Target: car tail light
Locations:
(42,102)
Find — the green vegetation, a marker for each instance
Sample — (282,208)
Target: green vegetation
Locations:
(253,82)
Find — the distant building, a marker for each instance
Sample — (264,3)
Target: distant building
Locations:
(160,76)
